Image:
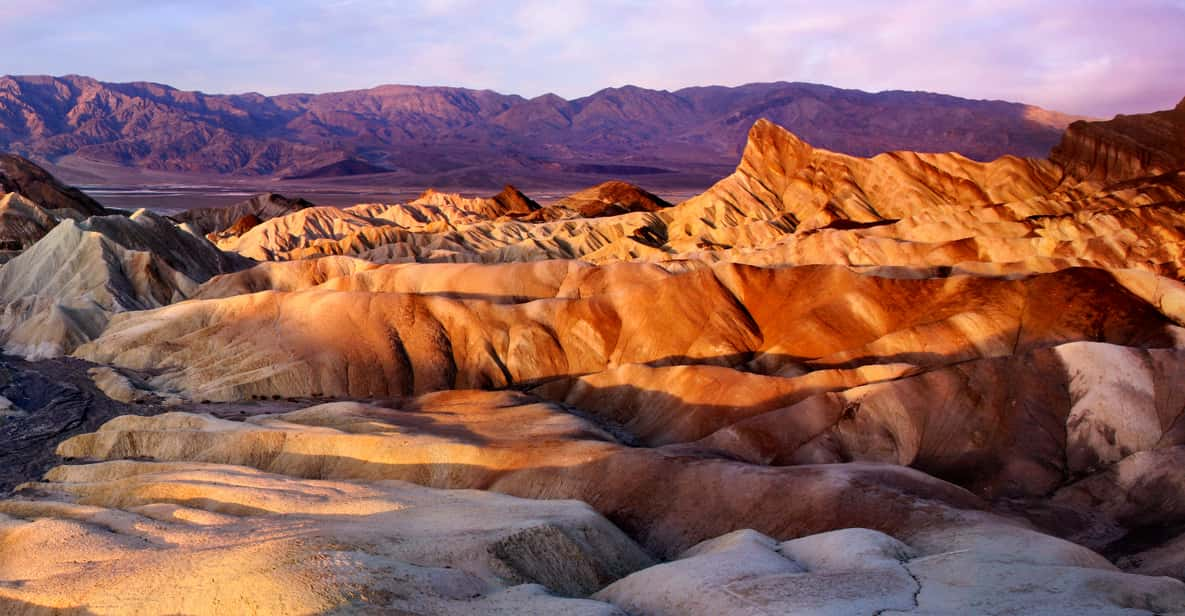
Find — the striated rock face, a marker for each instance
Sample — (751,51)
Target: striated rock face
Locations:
(791,204)
(19,175)
(60,292)
(509,201)
(282,276)
(789,185)
(287,235)
(1124,147)
(910,383)
(242,225)
(601,318)
(512,201)
(220,220)
(606,199)
(32,202)
(22,223)
(329,230)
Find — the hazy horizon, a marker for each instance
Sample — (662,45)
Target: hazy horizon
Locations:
(1081,57)
(301,92)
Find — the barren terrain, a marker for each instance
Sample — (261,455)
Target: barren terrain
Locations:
(904,383)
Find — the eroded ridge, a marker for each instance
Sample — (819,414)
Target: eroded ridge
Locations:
(911,383)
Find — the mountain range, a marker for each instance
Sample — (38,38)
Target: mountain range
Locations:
(457,136)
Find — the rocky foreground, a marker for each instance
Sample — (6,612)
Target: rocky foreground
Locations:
(907,384)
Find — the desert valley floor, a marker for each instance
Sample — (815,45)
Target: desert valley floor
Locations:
(906,384)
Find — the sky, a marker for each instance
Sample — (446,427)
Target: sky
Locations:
(1088,57)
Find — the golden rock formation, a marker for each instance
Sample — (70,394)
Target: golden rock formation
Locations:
(911,383)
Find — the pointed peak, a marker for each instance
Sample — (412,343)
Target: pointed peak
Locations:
(768,141)
(16,200)
(428,193)
(513,200)
(764,129)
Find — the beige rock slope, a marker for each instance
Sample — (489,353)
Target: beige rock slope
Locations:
(297,230)
(282,543)
(22,223)
(315,231)
(144,537)
(983,570)
(515,444)
(61,291)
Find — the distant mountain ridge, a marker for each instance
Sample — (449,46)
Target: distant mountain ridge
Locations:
(432,132)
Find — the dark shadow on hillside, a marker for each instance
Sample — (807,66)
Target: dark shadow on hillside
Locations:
(16,606)
(58,400)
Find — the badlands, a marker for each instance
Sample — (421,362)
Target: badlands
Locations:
(906,384)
